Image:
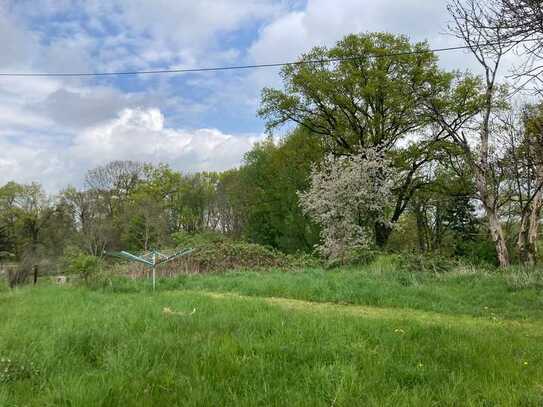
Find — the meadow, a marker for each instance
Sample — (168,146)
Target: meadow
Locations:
(361,336)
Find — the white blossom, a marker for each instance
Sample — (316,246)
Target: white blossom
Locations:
(347,195)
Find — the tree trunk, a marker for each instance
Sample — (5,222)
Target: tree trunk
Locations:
(529,231)
(496,232)
(382,234)
(533,231)
(490,206)
(421,228)
(522,239)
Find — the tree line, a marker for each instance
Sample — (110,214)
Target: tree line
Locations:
(385,150)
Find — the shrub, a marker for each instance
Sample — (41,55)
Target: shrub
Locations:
(300,261)
(83,265)
(519,278)
(364,256)
(212,257)
(348,195)
(232,255)
(431,263)
(477,252)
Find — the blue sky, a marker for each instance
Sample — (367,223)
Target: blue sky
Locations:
(53,130)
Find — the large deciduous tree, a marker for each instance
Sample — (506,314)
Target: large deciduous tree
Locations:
(522,141)
(469,115)
(6,242)
(270,180)
(363,93)
(112,183)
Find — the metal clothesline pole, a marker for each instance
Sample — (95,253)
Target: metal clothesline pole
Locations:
(151,259)
(154,268)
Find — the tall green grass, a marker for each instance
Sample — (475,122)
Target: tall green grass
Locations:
(73,346)
(510,294)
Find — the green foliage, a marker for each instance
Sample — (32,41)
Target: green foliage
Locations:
(230,255)
(270,181)
(363,101)
(365,256)
(424,263)
(82,265)
(225,256)
(302,260)
(522,278)
(6,243)
(366,102)
(479,251)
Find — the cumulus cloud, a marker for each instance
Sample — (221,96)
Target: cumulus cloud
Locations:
(17,45)
(136,134)
(82,107)
(139,134)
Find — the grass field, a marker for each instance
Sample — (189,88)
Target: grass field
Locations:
(312,338)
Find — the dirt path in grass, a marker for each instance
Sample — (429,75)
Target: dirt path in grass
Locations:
(397,314)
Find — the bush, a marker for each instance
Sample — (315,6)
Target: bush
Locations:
(232,255)
(519,278)
(301,261)
(477,252)
(215,257)
(363,257)
(83,265)
(422,263)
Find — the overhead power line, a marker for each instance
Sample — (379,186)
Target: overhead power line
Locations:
(244,67)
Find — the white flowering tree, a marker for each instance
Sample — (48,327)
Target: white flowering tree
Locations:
(347,196)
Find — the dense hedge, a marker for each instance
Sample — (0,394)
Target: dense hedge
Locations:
(224,255)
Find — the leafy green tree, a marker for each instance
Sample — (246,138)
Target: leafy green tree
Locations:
(6,243)
(34,212)
(27,214)
(270,180)
(145,224)
(93,229)
(229,203)
(445,212)
(366,92)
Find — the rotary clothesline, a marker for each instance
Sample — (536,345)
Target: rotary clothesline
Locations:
(151,259)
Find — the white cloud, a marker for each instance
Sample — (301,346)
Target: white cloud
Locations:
(323,22)
(136,134)
(129,34)
(139,134)
(83,107)
(17,45)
